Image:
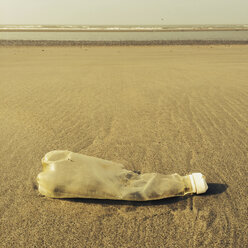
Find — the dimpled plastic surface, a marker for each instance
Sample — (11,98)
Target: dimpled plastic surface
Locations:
(72,175)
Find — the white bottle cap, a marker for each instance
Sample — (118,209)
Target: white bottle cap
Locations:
(199,183)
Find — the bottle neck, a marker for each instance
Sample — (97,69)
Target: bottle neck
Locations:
(189,187)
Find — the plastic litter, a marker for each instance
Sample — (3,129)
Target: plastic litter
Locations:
(71,175)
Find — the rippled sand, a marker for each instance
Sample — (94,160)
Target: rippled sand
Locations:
(155,109)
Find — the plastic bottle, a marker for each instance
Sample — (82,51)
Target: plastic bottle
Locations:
(72,175)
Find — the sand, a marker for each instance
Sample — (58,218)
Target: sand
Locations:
(160,109)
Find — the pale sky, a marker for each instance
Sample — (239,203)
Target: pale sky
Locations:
(121,12)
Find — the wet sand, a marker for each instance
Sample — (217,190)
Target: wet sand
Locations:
(155,109)
(84,43)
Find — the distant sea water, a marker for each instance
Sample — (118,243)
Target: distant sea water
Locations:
(82,34)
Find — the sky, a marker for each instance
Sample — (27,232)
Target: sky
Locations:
(124,12)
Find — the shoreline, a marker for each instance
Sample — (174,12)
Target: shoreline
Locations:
(125,30)
(119,43)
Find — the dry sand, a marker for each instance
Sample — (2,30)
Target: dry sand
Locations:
(155,109)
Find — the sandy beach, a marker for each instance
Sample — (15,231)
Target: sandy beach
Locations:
(166,109)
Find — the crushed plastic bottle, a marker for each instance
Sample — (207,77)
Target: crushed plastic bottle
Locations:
(72,175)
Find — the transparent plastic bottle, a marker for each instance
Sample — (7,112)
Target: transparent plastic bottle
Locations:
(72,175)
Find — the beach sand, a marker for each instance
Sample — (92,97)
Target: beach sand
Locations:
(166,109)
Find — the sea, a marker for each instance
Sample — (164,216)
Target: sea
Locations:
(113,34)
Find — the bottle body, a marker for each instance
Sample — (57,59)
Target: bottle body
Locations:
(71,175)
(154,186)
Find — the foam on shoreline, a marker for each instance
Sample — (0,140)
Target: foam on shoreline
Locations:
(120,28)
